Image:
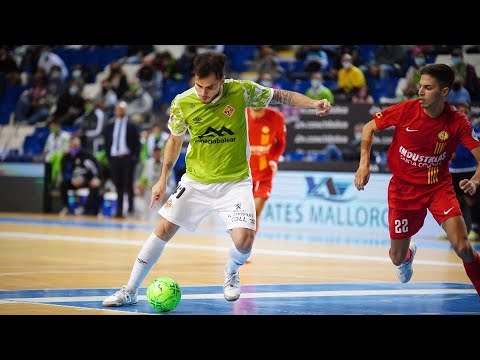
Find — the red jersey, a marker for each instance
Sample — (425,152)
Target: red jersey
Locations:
(268,139)
(422,146)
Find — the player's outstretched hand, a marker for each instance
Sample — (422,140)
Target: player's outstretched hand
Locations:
(323,107)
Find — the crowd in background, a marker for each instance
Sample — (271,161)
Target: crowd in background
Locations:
(41,87)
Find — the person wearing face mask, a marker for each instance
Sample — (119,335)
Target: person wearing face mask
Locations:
(78,75)
(79,169)
(467,72)
(70,104)
(140,102)
(350,79)
(412,76)
(48,59)
(317,90)
(458,94)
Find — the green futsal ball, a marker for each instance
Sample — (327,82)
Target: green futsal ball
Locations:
(163,294)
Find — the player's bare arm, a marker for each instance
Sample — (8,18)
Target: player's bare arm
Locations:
(292,98)
(173,147)
(469,186)
(363,173)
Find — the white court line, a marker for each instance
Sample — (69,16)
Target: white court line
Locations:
(288,253)
(258,295)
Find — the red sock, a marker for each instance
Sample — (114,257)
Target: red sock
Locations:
(409,255)
(473,271)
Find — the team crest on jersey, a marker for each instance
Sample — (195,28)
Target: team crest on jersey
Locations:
(379,115)
(442,135)
(228,111)
(265,129)
(168,204)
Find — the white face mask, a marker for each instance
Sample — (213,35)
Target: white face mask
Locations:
(266,83)
(346,64)
(315,83)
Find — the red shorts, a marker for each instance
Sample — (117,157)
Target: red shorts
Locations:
(262,188)
(408,204)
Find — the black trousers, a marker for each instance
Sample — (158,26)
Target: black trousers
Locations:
(122,168)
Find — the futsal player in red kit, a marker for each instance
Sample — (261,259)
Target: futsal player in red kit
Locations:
(427,132)
(267,134)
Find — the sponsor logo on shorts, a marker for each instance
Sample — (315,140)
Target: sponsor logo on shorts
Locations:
(445,212)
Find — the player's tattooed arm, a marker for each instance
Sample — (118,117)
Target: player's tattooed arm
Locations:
(283,97)
(170,165)
(293,98)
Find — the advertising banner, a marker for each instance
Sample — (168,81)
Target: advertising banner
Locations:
(306,131)
(327,204)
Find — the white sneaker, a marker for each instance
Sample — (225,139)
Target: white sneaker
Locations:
(405,271)
(231,286)
(120,298)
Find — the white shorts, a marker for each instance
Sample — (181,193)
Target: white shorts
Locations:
(192,201)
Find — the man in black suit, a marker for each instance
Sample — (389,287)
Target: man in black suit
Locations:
(122,145)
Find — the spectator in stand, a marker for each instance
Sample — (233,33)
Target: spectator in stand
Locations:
(56,145)
(70,104)
(157,138)
(139,101)
(8,67)
(318,90)
(90,125)
(412,77)
(467,73)
(350,79)
(55,84)
(458,94)
(164,62)
(362,96)
(32,106)
(106,98)
(79,169)
(183,67)
(48,59)
(118,79)
(389,61)
(268,63)
(79,75)
(151,79)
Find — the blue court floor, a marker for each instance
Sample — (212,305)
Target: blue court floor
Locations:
(297,299)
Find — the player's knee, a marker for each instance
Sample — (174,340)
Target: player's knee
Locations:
(244,241)
(165,230)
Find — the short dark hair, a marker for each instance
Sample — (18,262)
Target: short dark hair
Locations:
(444,74)
(209,62)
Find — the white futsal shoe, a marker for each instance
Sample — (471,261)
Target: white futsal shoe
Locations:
(120,298)
(405,271)
(231,286)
